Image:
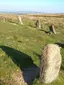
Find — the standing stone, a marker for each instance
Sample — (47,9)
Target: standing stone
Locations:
(50,63)
(38,24)
(52,29)
(20,20)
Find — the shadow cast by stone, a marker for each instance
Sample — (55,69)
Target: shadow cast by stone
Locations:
(62,67)
(60,44)
(25,63)
(19,58)
(47,32)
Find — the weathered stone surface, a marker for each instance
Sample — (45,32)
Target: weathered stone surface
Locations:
(18,78)
(50,63)
(38,24)
(20,20)
(52,29)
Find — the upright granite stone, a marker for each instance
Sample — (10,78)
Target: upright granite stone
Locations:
(50,63)
(38,24)
(52,29)
(20,20)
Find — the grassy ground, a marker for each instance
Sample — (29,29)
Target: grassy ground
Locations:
(21,45)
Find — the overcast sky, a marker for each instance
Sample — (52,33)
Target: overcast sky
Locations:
(46,6)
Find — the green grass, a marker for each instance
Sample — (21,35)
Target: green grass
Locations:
(20,46)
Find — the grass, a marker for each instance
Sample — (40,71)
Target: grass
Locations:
(20,46)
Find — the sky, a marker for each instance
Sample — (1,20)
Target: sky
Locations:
(45,6)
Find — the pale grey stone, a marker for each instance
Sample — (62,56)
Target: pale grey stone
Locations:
(20,20)
(50,63)
(38,24)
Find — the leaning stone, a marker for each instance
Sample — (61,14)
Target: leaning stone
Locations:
(20,20)
(50,63)
(52,29)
